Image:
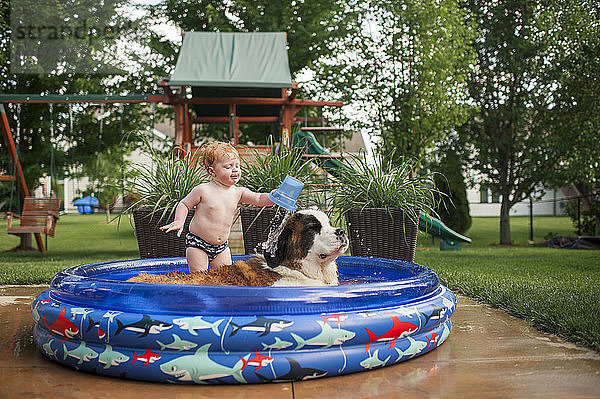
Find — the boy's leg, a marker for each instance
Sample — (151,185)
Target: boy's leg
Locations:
(197,259)
(222,259)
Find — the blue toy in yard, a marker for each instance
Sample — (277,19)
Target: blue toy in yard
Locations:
(85,205)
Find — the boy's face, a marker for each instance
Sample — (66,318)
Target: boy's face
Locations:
(226,170)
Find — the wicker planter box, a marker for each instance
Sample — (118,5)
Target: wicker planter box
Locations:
(155,243)
(381,233)
(256,228)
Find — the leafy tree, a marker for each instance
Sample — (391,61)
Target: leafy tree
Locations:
(515,136)
(577,116)
(406,72)
(577,71)
(311,26)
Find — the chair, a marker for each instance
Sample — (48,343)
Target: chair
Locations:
(39,215)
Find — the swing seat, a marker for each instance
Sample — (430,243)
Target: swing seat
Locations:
(39,215)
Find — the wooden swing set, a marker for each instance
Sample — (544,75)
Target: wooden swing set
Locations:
(38,214)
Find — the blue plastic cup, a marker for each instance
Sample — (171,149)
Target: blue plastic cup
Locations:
(287,193)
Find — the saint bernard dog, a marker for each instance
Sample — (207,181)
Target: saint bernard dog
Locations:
(304,255)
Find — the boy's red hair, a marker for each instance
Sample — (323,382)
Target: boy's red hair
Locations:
(209,153)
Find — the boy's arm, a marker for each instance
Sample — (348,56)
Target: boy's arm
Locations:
(181,211)
(252,198)
(192,199)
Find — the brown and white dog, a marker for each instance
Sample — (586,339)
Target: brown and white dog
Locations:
(305,255)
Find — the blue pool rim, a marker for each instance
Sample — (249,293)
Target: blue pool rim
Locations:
(102,286)
(90,314)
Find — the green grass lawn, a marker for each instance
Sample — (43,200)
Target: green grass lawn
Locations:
(79,239)
(558,290)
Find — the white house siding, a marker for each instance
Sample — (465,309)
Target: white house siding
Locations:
(71,191)
(549,205)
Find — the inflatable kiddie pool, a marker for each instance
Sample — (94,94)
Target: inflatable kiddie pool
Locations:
(384,312)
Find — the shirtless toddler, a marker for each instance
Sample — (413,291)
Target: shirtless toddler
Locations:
(216,204)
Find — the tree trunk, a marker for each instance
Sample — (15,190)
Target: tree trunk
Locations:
(505,222)
(107,214)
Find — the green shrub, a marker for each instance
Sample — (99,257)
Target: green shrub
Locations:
(589,216)
(454,207)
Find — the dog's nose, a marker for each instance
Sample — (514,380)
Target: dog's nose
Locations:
(340,232)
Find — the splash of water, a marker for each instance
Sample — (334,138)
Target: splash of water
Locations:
(275,230)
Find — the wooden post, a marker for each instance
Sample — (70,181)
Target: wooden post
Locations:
(285,123)
(236,130)
(179,123)
(187,126)
(287,118)
(530,219)
(234,125)
(578,216)
(286,128)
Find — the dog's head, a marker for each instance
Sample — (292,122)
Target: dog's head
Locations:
(307,238)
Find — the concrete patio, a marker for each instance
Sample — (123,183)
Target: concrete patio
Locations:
(489,354)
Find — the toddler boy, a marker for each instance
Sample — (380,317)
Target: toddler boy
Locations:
(216,204)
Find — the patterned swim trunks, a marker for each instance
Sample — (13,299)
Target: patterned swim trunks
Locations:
(212,250)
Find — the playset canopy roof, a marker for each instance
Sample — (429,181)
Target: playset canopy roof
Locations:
(233,59)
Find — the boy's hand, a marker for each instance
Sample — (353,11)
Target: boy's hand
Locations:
(269,202)
(174,226)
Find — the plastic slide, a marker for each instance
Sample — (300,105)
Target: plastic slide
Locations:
(450,239)
(437,228)
(312,146)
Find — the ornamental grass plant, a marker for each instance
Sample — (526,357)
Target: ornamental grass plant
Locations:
(265,172)
(158,187)
(166,180)
(381,202)
(384,184)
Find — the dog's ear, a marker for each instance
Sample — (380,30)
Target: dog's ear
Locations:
(275,256)
(295,240)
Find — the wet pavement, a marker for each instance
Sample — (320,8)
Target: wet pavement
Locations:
(489,354)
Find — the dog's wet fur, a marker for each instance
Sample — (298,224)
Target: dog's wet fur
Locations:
(304,256)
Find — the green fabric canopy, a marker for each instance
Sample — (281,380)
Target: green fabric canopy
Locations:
(216,59)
